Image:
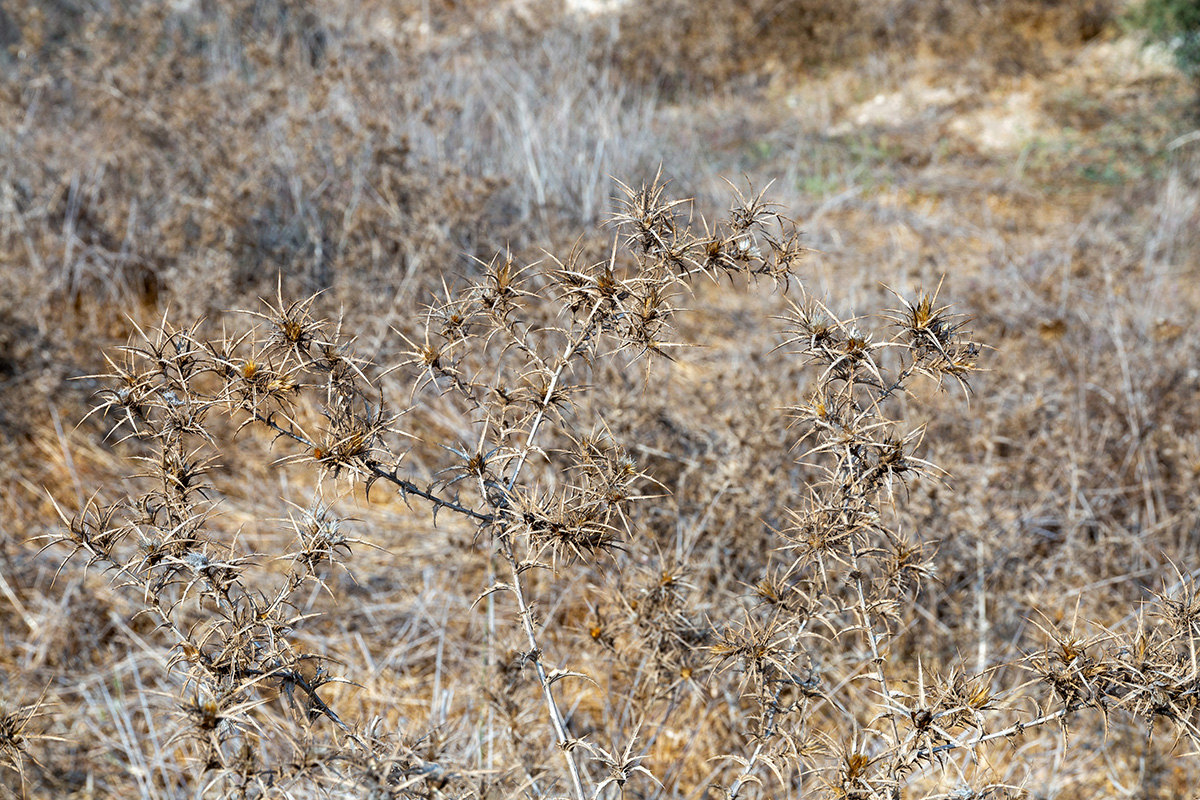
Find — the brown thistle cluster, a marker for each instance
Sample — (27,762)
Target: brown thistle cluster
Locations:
(491,393)
(510,353)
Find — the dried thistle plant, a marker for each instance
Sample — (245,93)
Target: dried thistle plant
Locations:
(547,487)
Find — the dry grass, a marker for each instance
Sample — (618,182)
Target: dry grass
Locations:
(498,486)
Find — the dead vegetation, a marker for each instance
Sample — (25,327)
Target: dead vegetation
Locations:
(519,473)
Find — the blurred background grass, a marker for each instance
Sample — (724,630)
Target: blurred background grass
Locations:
(186,157)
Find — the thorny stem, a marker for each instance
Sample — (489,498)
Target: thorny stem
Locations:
(584,334)
(898,383)
(526,614)
(408,487)
(1011,730)
(872,639)
(768,731)
(490,657)
(736,787)
(405,486)
(744,776)
(556,717)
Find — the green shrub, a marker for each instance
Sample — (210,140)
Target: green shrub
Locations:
(1177,24)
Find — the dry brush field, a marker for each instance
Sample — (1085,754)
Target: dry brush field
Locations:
(464,399)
